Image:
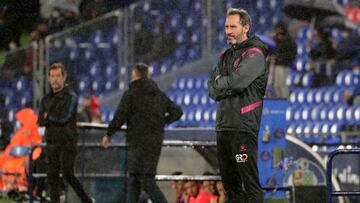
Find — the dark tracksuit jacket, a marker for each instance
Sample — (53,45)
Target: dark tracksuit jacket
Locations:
(60,122)
(239,92)
(61,141)
(146,110)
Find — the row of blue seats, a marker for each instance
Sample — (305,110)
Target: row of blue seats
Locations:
(338,113)
(16,99)
(190,82)
(191,98)
(98,86)
(299,79)
(18,84)
(317,129)
(192,117)
(91,57)
(326,94)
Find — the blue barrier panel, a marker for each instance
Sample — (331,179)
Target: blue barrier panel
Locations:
(271,145)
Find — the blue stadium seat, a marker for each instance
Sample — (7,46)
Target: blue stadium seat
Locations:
(315,113)
(24,98)
(301,95)
(199,115)
(11,115)
(96,36)
(319,95)
(293,96)
(74,54)
(307,79)
(299,130)
(310,96)
(317,127)
(166,65)
(194,53)
(192,21)
(113,36)
(332,128)
(199,82)
(304,34)
(83,85)
(97,85)
(180,99)
(111,84)
(291,128)
(293,79)
(207,115)
(341,113)
(182,36)
(195,36)
(337,96)
(9,97)
(196,100)
(154,68)
(88,53)
(306,113)
(95,69)
(111,69)
(308,127)
(176,22)
(324,113)
(180,55)
(325,128)
(351,79)
(347,78)
(180,83)
(301,49)
(301,65)
(332,114)
(352,115)
(297,113)
(107,115)
(188,97)
(22,83)
(329,95)
(290,111)
(107,52)
(190,119)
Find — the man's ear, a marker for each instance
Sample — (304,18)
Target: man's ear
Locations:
(247,28)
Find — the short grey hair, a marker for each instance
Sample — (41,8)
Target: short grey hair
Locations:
(243,14)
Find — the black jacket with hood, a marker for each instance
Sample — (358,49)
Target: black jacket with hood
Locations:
(146,110)
(241,87)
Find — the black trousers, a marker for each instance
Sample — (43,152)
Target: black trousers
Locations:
(147,183)
(61,158)
(237,156)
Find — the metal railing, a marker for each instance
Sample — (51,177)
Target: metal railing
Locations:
(329,190)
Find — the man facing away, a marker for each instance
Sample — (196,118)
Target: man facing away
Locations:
(238,83)
(146,110)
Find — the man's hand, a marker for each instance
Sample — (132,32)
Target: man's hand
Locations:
(217,77)
(45,115)
(105,141)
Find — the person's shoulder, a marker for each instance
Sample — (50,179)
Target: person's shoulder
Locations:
(253,52)
(47,96)
(70,92)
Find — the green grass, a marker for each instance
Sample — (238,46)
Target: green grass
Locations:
(5,201)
